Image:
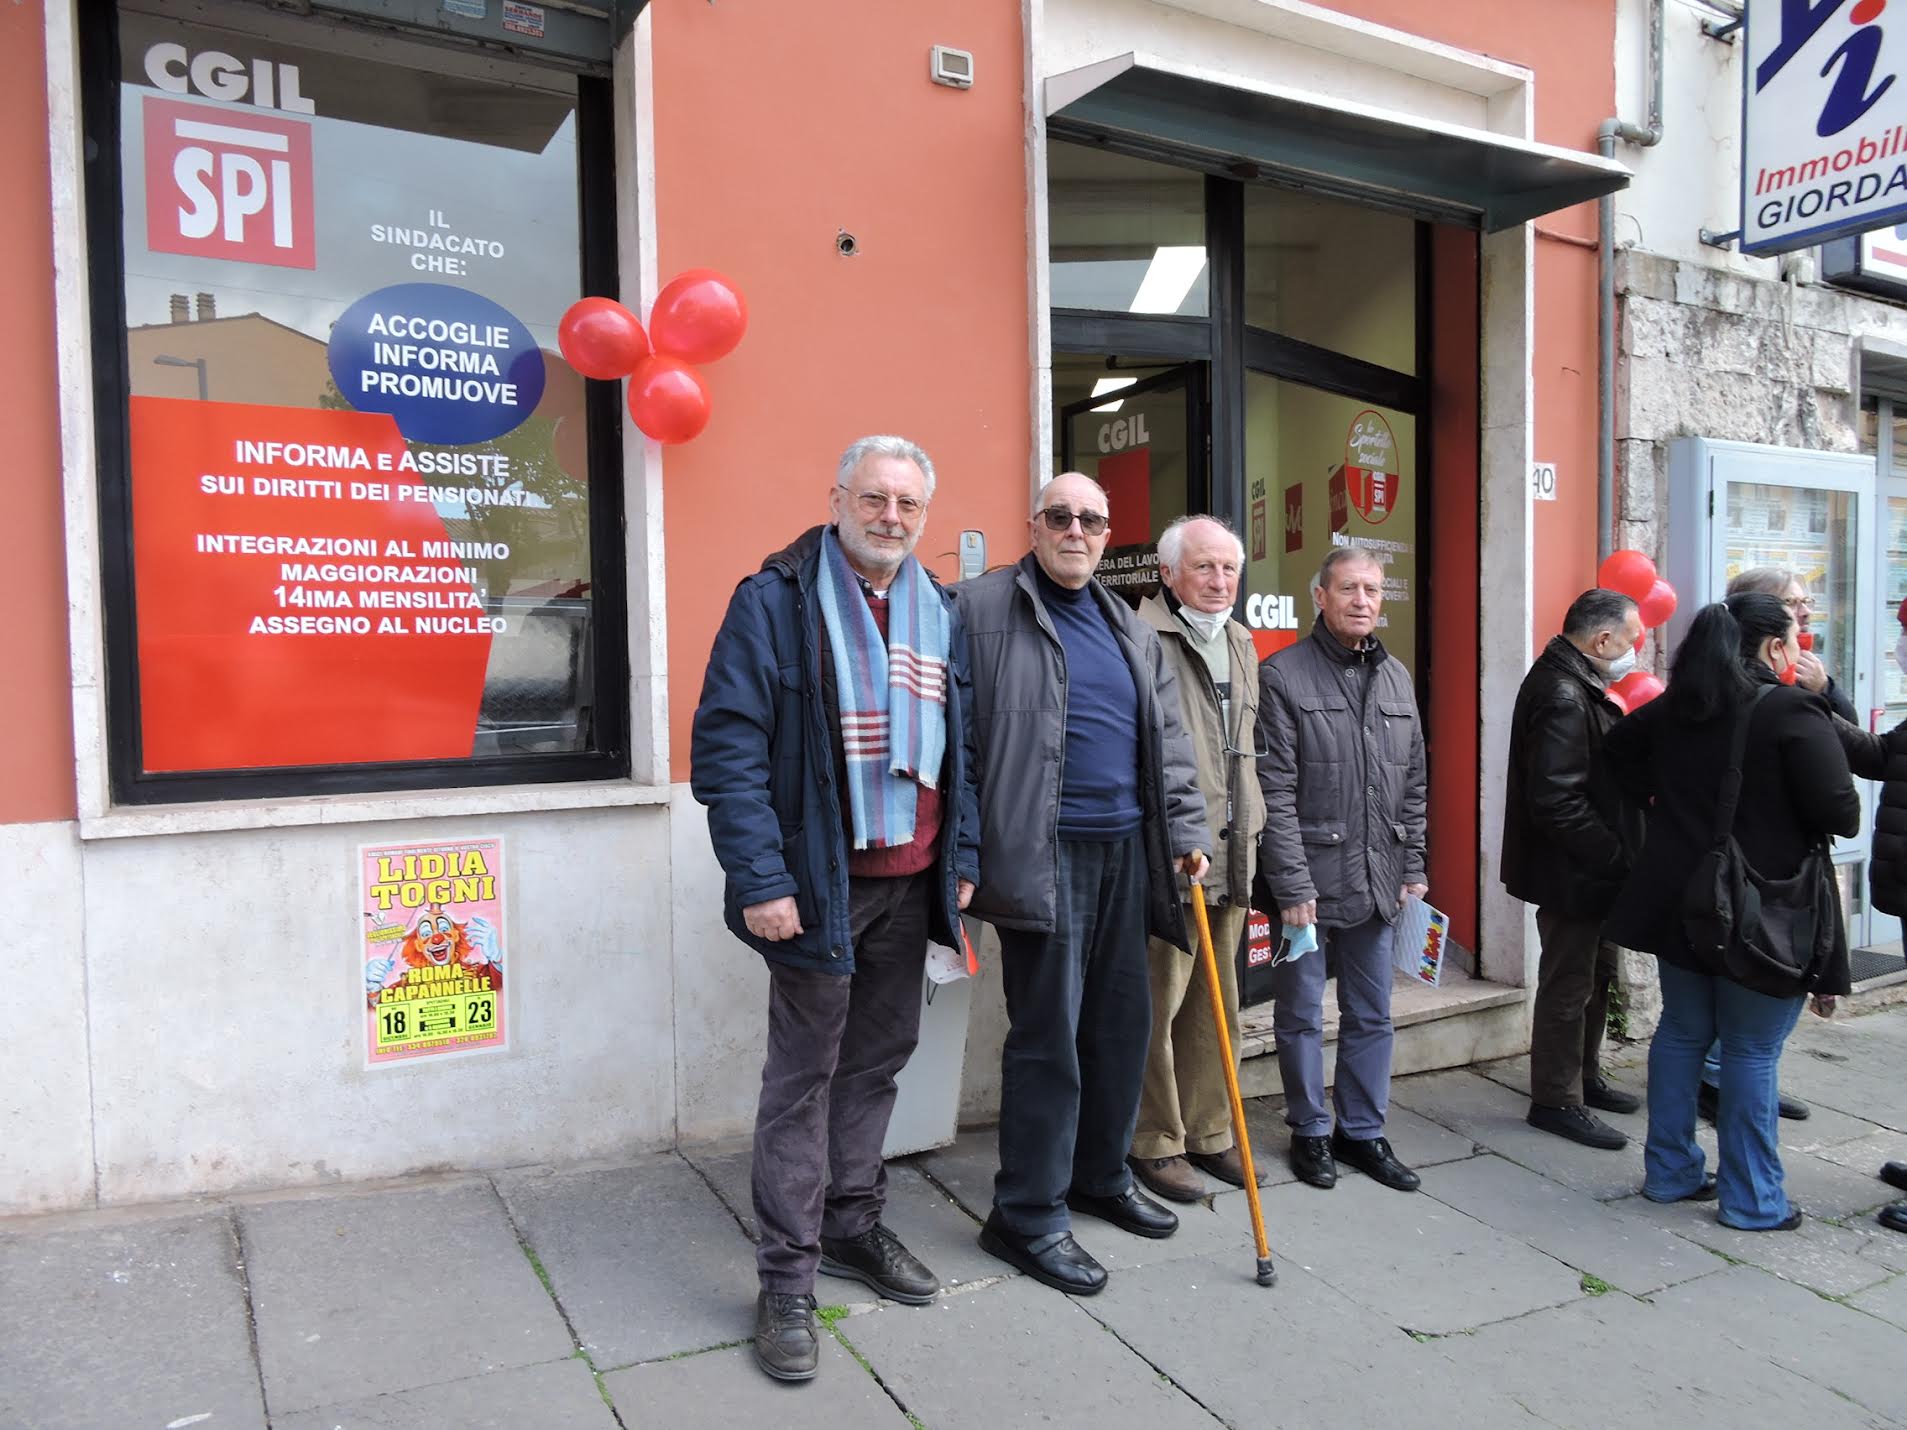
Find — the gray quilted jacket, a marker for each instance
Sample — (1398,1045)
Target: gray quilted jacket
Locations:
(1343,778)
(1019,723)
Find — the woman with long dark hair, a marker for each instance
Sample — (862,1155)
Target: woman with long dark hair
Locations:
(1672,756)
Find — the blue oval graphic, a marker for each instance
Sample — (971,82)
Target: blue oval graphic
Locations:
(451,366)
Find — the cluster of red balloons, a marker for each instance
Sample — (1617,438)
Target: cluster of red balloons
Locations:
(699,316)
(1634,574)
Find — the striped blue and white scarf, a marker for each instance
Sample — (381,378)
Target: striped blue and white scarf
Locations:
(893,696)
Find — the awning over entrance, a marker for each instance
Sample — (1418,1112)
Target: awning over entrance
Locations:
(1224,126)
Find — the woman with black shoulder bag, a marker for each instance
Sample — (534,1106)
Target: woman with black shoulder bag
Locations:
(1745,782)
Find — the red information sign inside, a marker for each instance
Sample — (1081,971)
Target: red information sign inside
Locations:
(228,183)
(300,601)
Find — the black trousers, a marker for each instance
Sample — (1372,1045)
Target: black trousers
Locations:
(1079,1009)
(1573,977)
(835,1044)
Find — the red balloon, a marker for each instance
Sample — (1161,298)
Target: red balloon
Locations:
(1639,641)
(601,338)
(1658,605)
(667,399)
(1636,689)
(699,316)
(1629,572)
(1615,699)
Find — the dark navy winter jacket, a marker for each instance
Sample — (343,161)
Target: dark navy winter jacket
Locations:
(763,759)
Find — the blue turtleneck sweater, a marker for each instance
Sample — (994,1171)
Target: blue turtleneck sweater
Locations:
(1099,783)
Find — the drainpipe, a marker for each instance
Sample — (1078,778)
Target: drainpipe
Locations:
(1613,129)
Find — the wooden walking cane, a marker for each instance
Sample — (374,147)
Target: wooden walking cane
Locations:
(1267,1276)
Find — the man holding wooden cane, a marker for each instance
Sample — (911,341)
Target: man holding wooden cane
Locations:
(1185,1122)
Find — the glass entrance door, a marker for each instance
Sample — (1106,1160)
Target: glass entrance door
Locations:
(1142,439)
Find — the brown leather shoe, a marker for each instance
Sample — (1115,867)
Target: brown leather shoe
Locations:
(1227,1166)
(1169,1177)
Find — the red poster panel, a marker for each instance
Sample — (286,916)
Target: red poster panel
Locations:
(1340,502)
(1127,478)
(1294,518)
(228,183)
(299,599)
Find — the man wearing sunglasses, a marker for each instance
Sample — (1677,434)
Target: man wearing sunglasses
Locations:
(832,748)
(1089,811)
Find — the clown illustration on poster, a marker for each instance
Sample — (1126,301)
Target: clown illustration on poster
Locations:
(432,945)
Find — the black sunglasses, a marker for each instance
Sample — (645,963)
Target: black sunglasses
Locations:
(1058,518)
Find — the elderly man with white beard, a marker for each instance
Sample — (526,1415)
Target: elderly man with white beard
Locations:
(832,746)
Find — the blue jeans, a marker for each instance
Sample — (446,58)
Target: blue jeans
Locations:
(1698,1010)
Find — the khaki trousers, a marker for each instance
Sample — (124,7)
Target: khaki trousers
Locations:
(1183,1105)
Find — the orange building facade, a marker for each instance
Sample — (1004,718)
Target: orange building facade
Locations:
(1338,260)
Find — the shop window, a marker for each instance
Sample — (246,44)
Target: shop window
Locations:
(1125,235)
(1329,471)
(361,523)
(1332,274)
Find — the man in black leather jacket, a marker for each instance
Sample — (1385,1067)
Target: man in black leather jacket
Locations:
(1568,840)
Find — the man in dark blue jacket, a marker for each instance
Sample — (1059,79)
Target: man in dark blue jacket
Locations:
(833,749)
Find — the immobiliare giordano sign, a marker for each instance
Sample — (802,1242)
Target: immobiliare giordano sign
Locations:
(1824,122)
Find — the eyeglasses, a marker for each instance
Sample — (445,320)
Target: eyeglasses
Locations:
(1798,603)
(1058,518)
(875,504)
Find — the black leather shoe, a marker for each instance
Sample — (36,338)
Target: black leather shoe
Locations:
(1372,1156)
(1605,1096)
(1895,1175)
(1061,1262)
(1703,1193)
(785,1342)
(1893,1216)
(1311,1160)
(876,1258)
(1578,1124)
(1132,1210)
(1708,1102)
(1790,1222)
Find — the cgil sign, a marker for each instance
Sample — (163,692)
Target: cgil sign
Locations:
(1824,124)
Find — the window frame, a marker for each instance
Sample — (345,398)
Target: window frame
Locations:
(129,784)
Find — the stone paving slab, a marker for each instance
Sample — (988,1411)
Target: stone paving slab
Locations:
(1297,1353)
(1887,1300)
(1603,1239)
(1202,1232)
(1835,1347)
(965,1168)
(1867,1154)
(123,1322)
(1616,1361)
(560,1395)
(1820,1256)
(1015,1353)
(936,1229)
(721,1390)
(645,1259)
(362,1295)
(1493,1116)
(1852,1066)
(1408,1258)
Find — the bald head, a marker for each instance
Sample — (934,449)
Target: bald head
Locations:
(1072,501)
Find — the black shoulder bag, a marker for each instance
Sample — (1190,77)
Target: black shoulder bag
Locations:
(1772,936)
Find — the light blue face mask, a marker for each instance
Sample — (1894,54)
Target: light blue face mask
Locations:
(1295,944)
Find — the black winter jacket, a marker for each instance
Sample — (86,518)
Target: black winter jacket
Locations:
(1569,834)
(1884,758)
(762,759)
(1795,791)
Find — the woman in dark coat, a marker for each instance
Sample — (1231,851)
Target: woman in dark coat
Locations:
(1671,755)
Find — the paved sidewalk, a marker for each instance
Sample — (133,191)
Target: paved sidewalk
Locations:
(1527,1285)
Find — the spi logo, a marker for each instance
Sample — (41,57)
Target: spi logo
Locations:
(1854,89)
(223,183)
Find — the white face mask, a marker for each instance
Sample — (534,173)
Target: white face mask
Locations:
(1207,623)
(1900,652)
(1614,670)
